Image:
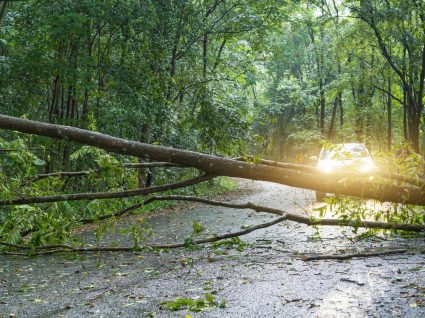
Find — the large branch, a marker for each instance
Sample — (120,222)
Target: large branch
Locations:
(295,217)
(258,208)
(105,195)
(220,166)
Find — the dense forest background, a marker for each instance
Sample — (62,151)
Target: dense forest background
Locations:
(229,77)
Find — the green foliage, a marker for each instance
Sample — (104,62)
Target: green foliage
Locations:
(197,228)
(221,77)
(232,243)
(319,56)
(403,161)
(195,305)
(135,69)
(53,223)
(189,242)
(17,160)
(354,211)
(138,232)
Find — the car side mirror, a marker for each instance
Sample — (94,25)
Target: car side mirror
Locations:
(314,158)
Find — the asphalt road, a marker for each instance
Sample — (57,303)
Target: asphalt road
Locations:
(266,278)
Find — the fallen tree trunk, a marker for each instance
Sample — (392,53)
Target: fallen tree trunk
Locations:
(221,166)
(390,176)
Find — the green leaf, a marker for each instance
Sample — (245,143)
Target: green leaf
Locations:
(210,298)
(39,162)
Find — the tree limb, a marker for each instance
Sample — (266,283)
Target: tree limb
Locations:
(389,94)
(105,195)
(258,208)
(110,215)
(295,217)
(283,216)
(58,248)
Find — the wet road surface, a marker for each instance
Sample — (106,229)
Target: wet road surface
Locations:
(264,279)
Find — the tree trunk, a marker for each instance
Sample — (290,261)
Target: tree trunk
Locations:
(405,125)
(341,112)
(389,115)
(331,127)
(221,166)
(322,106)
(3,7)
(205,55)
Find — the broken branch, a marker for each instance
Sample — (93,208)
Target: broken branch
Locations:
(105,195)
(51,249)
(288,216)
(283,216)
(295,217)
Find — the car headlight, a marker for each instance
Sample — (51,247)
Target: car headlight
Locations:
(367,166)
(327,165)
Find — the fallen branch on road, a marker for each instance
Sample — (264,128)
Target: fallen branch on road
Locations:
(58,248)
(295,217)
(283,216)
(307,258)
(258,208)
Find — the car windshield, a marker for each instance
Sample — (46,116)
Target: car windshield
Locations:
(345,152)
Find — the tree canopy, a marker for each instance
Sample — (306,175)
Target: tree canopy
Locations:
(226,77)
